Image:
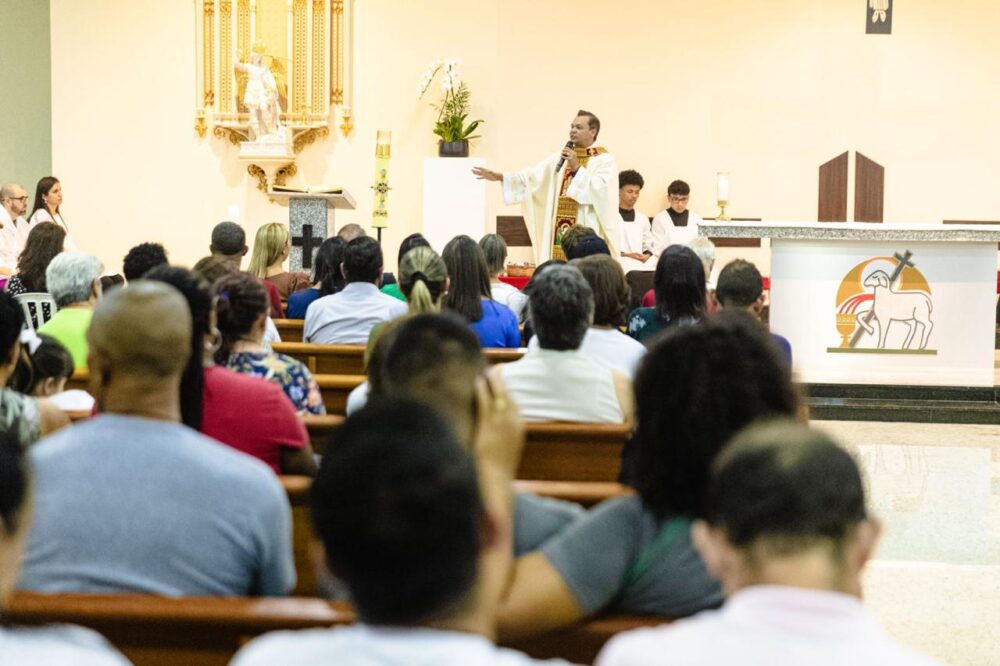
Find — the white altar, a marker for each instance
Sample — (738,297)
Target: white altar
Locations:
(454,200)
(888,304)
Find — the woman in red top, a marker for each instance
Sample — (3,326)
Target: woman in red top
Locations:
(249,414)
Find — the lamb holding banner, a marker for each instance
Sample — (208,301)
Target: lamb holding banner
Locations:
(910,307)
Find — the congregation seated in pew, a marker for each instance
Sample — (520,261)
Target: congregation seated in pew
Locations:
(635,554)
(787,532)
(349,315)
(241,313)
(134,501)
(327,279)
(250,414)
(436,359)
(604,341)
(62,644)
(557,381)
(25,417)
(470,296)
(420,535)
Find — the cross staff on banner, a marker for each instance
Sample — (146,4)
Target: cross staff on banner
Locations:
(904,262)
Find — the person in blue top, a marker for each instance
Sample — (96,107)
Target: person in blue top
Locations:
(327,278)
(470,295)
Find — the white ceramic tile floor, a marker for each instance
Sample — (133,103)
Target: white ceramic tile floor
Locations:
(935,582)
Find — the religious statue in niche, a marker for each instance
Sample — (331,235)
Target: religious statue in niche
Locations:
(262,94)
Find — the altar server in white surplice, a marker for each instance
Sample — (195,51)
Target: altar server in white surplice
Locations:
(582,191)
(635,244)
(676,225)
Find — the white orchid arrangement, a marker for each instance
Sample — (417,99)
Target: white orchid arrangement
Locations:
(454,109)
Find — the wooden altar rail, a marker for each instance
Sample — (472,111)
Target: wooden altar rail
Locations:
(207,631)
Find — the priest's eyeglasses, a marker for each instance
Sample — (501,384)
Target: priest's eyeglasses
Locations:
(678,198)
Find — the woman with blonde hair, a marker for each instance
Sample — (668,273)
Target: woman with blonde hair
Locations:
(271,248)
(423,279)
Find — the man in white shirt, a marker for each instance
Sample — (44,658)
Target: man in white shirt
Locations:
(574,186)
(677,225)
(422,544)
(13,226)
(348,316)
(788,535)
(635,245)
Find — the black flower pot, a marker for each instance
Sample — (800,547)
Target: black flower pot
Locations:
(453,148)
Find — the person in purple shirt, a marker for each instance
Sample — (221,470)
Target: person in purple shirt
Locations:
(470,295)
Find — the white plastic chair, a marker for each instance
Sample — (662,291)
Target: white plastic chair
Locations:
(33,305)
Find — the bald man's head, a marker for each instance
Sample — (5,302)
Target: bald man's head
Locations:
(143,331)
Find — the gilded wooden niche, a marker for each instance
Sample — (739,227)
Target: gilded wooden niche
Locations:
(303,45)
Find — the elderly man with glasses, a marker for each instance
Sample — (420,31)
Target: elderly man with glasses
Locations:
(13,226)
(676,225)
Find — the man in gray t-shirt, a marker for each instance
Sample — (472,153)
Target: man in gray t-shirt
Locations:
(133,501)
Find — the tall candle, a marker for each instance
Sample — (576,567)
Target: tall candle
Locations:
(723,186)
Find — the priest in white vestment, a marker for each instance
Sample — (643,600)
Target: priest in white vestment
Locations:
(584,190)
(677,225)
(635,244)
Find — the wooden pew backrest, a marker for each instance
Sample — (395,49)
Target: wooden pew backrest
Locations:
(207,631)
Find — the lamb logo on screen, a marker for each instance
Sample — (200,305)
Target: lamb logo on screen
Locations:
(885,306)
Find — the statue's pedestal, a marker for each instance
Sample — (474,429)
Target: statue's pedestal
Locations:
(266,157)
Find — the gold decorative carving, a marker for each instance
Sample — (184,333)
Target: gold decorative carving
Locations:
(300,57)
(209,51)
(243,29)
(285,172)
(259,174)
(346,121)
(308,137)
(234,136)
(199,125)
(318,55)
(337,51)
(225,56)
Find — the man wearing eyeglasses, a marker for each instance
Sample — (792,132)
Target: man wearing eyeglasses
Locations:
(13,226)
(676,225)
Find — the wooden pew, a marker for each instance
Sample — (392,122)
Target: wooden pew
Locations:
(290,330)
(553,451)
(193,631)
(349,359)
(585,493)
(303,535)
(207,631)
(573,451)
(335,389)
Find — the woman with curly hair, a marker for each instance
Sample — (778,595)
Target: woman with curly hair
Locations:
(697,387)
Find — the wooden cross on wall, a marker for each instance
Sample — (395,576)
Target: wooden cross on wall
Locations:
(308,244)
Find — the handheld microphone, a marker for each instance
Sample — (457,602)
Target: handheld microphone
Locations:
(562,160)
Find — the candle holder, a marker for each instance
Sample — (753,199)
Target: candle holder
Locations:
(722,194)
(722,217)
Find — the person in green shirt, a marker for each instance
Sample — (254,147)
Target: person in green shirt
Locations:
(74,280)
(410,242)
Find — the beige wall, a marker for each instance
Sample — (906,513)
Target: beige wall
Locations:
(767,90)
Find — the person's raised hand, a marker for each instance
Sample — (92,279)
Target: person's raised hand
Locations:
(483,173)
(499,437)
